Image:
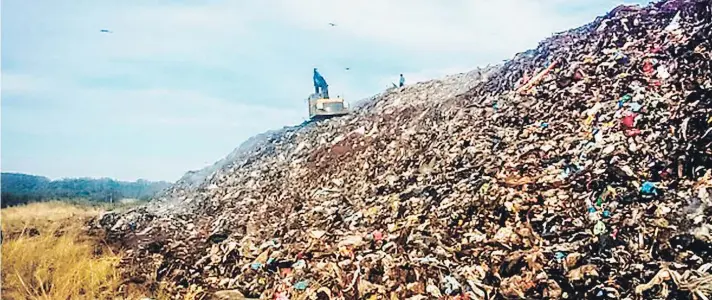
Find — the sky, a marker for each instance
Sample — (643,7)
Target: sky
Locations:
(176,85)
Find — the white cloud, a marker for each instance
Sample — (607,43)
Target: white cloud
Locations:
(469,26)
(176,31)
(184,108)
(171,108)
(21,83)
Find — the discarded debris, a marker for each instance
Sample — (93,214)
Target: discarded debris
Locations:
(577,170)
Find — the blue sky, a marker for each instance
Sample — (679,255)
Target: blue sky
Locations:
(178,84)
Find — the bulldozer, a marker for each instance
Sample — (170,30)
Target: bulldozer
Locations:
(323,107)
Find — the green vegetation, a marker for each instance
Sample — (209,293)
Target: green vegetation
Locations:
(22,188)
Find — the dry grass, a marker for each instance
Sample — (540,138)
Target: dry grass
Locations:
(46,254)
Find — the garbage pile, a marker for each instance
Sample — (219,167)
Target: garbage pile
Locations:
(581,169)
(192,180)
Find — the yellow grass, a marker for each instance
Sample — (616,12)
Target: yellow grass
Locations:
(46,254)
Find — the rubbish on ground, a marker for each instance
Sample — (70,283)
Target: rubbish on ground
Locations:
(455,188)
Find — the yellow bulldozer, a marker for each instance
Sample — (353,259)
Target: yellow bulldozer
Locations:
(322,107)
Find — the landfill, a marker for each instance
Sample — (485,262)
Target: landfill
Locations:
(581,169)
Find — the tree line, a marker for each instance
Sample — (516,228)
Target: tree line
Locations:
(23,188)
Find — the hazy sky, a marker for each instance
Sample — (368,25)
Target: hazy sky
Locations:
(178,84)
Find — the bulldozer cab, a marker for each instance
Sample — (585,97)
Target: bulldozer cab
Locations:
(323,107)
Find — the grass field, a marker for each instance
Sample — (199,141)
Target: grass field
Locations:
(46,254)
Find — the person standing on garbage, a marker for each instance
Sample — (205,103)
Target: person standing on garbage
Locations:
(402,80)
(317,81)
(320,84)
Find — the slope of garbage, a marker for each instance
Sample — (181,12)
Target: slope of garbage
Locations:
(581,169)
(192,180)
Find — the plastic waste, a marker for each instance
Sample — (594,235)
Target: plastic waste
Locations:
(674,23)
(648,188)
(599,228)
(301,285)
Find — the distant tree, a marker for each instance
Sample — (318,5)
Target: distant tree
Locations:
(22,188)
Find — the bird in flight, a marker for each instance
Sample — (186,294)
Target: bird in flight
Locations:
(105,31)
(332,24)
(348,69)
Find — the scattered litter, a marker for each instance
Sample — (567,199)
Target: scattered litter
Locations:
(576,170)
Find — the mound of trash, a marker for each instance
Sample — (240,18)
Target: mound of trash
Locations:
(581,169)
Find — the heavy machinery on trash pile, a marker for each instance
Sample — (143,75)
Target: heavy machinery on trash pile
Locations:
(322,107)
